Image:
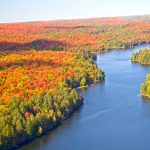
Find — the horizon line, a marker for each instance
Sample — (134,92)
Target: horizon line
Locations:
(70,19)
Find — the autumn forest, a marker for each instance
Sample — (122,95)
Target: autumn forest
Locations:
(42,65)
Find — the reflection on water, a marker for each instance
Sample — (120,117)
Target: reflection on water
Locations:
(114,115)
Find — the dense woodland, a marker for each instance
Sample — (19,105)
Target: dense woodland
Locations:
(37,91)
(142,57)
(97,34)
(42,64)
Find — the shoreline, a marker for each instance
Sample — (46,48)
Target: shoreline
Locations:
(121,48)
(80,102)
(73,109)
(82,87)
(146,96)
(138,62)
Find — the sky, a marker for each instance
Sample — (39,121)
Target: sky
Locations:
(36,10)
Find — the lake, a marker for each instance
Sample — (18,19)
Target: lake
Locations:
(114,115)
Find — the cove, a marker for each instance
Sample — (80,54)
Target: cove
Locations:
(114,115)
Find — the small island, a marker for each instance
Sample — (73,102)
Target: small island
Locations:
(142,57)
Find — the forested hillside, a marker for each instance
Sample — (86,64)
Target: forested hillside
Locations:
(37,91)
(96,34)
